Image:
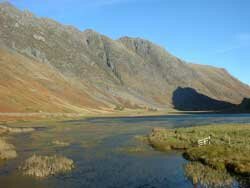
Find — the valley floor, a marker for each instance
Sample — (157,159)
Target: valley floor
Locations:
(12,117)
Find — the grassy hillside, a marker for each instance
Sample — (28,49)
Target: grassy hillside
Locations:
(28,85)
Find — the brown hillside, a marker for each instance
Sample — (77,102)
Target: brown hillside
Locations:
(51,67)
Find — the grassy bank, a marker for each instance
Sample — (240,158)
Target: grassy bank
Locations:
(34,117)
(228,152)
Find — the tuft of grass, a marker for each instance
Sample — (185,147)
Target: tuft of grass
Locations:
(132,149)
(168,139)
(7,151)
(44,166)
(60,143)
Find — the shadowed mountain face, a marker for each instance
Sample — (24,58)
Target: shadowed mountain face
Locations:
(188,99)
(64,69)
(244,106)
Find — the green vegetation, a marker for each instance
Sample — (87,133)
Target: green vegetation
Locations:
(167,139)
(231,158)
(44,166)
(229,150)
(183,138)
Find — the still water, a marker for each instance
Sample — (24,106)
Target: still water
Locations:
(106,152)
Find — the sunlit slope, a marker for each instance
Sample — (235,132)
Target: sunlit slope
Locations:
(30,86)
(220,84)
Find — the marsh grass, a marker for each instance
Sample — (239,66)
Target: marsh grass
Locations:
(206,176)
(132,150)
(7,151)
(233,135)
(44,166)
(141,139)
(233,159)
(229,149)
(60,143)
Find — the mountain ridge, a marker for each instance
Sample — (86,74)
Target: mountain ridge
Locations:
(113,74)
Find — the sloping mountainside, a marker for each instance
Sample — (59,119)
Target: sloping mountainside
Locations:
(46,66)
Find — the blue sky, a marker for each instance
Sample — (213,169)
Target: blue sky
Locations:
(214,32)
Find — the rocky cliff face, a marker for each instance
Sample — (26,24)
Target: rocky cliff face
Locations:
(89,71)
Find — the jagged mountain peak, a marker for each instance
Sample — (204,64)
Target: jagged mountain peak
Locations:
(137,42)
(143,47)
(134,39)
(91,31)
(10,8)
(7,7)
